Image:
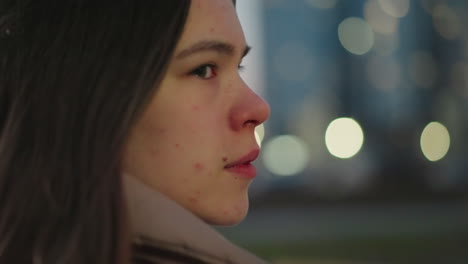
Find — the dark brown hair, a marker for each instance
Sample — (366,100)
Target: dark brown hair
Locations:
(74,75)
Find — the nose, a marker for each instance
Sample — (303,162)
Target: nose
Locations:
(250,110)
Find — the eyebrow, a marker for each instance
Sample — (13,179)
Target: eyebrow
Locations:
(211,45)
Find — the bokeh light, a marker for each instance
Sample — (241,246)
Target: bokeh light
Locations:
(356,35)
(447,22)
(389,65)
(259,134)
(435,141)
(395,8)
(379,20)
(285,155)
(386,44)
(344,137)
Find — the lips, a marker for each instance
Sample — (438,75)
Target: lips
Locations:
(243,167)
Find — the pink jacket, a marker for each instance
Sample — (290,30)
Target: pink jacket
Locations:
(158,219)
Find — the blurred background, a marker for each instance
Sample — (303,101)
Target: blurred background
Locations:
(365,156)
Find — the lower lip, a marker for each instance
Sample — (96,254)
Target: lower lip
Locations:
(247,171)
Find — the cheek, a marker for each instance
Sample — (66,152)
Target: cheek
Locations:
(195,198)
(199,167)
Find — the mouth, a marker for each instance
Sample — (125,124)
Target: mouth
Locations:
(243,167)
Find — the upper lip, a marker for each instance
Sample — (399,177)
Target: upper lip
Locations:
(246,159)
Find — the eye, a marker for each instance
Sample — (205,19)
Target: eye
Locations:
(206,71)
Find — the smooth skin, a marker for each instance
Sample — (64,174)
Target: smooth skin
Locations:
(201,118)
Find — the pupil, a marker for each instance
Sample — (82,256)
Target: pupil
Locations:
(202,71)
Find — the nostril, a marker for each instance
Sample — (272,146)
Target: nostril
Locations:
(251,122)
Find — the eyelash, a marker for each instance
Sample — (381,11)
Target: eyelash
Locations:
(214,68)
(200,69)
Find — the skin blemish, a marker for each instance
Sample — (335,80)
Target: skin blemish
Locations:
(177,145)
(224,159)
(193,200)
(162,131)
(198,166)
(195,108)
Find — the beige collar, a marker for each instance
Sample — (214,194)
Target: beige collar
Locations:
(154,215)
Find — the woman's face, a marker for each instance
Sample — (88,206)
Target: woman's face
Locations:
(195,141)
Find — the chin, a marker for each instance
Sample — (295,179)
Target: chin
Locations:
(226,221)
(228,217)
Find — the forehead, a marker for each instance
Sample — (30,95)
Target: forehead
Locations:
(212,20)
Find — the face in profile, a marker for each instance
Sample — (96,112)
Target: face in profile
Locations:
(195,140)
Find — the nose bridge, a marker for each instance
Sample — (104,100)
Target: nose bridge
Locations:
(250,109)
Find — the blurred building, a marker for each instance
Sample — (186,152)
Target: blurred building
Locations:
(394,71)
(365,156)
